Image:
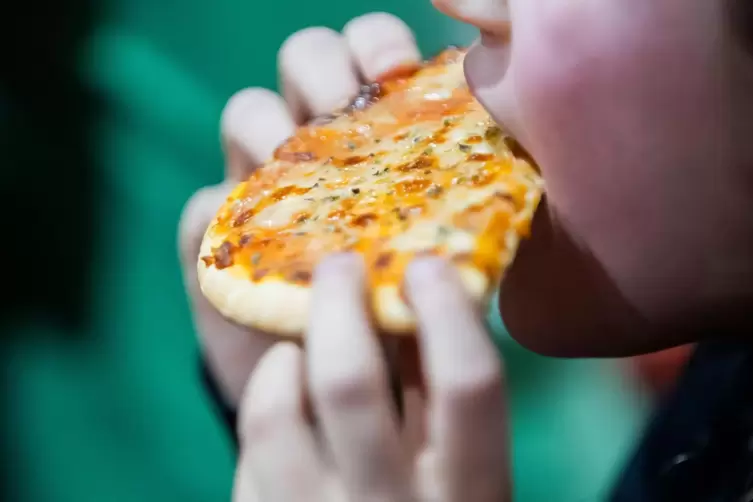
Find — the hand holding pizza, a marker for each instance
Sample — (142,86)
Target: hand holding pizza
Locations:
(606,96)
(320,71)
(339,383)
(254,123)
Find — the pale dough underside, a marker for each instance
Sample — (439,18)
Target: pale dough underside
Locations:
(282,308)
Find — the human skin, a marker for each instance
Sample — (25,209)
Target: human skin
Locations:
(639,114)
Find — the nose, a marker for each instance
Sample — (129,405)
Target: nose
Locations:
(490,16)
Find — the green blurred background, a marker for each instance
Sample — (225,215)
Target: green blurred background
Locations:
(110,118)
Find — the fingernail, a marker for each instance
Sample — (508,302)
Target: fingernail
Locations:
(423,272)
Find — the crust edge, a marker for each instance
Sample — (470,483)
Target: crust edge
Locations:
(282,308)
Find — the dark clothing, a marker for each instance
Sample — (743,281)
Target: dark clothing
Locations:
(228,414)
(699,445)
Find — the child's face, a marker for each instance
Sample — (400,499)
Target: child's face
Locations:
(639,113)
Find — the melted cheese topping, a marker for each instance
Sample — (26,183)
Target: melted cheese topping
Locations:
(420,169)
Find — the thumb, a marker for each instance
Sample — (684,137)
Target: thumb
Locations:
(488,68)
(490,76)
(490,16)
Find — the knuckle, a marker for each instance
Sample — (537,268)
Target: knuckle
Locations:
(270,403)
(351,389)
(265,421)
(470,388)
(448,291)
(439,294)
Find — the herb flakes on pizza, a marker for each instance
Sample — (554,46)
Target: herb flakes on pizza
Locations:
(414,166)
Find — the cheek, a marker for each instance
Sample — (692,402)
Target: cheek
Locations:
(569,71)
(617,97)
(598,78)
(616,113)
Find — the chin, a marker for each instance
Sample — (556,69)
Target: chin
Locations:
(602,334)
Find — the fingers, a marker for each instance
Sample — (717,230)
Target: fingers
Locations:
(349,386)
(468,416)
(491,16)
(316,72)
(319,68)
(487,64)
(491,79)
(280,460)
(379,43)
(231,352)
(255,121)
(444,311)
(319,73)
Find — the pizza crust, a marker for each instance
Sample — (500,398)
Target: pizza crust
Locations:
(282,308)
(273,306)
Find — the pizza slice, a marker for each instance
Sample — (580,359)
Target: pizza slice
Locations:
(414,166)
